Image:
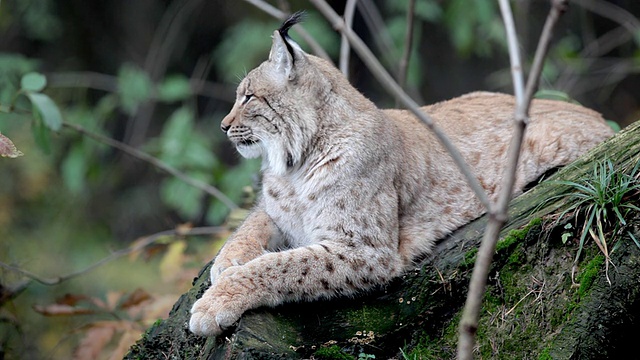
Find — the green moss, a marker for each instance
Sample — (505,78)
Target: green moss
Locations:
(517,235)
(470,257)
(589,274)
(332,353)
(545,355)
(378,319)
(511,319)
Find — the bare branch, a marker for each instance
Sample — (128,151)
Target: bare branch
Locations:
(613,12)
(408,42)
(115,255)
(211,190)
(165,39)
(280,15)
(514,51)
(349,11)
(109,83)
(380,34)
(471,312)
(393,88)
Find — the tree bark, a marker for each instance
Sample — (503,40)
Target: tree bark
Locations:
(534,307)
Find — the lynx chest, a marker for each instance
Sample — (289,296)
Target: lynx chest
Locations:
(299,209)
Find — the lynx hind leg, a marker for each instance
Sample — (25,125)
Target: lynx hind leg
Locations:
(558,140)
(250,241)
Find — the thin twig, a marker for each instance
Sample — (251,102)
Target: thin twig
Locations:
(211,190)
(514,51)
(109,83)
(408,42)
(148,240)
(393,88)
(377,28)
(165,39)
(280,15)
(612,12)
(349,11)
(471,312)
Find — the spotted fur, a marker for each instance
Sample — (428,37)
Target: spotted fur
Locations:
(352,194)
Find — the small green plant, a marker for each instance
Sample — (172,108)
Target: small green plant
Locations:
(604,198)
(364,356)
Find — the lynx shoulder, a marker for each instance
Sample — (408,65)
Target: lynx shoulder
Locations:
(353,194)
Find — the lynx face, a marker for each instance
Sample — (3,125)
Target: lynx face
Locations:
(275,113)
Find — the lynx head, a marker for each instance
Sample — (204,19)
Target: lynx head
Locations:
(275,114)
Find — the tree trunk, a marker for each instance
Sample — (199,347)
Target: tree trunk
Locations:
(538,305)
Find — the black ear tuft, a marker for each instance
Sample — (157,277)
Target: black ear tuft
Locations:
(295,18)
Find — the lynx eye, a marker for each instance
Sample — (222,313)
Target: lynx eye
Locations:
(246,99)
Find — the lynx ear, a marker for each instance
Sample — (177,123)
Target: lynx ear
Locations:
(285,53)
(281,58)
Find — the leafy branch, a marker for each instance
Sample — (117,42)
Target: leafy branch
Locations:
(201,185)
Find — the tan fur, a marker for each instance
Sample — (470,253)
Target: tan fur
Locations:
(353,194)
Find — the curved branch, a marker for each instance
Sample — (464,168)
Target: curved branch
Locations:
(109,83)
(117,254)
(280,15)
(614,13)
(211,190)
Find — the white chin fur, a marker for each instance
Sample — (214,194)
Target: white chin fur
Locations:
(250,151)
(275,160)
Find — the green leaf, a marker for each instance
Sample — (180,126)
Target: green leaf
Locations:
(41,134)
(429,11)
(554,95)
(134,86)
(8,149)
(33,81)
(74,169)
(181,196)
(176,134)
(49,111)
(174,88)
(614,125)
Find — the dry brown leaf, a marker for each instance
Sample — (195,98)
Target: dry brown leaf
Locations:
(172,261)
(135,298)
(72,299)
(159,308)
(61,310)
(8,149)
(128,338)
(113,298)
(183,229)
(94,341)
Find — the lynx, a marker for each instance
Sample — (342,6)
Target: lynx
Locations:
(352,194)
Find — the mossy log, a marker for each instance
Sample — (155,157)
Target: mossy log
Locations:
(538,305)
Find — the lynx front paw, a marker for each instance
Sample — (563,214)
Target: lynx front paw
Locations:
(220,265)
(211,314)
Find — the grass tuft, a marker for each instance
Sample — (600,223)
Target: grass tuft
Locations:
(604,197)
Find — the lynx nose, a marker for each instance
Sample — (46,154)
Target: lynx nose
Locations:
(224,127)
